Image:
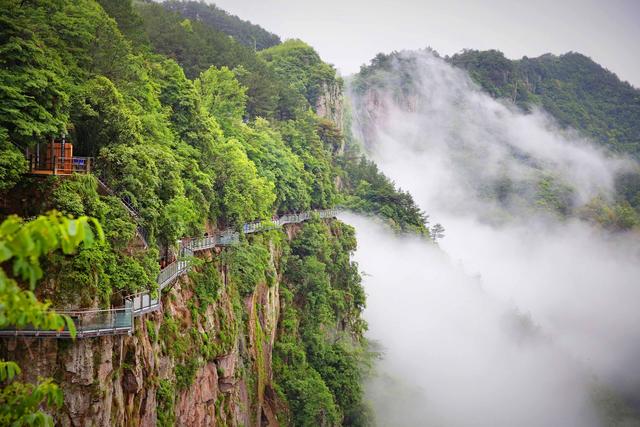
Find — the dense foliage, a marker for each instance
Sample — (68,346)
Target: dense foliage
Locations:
(300,65)
(22,244)
(246,33)
(195,131)
(177,149)
(196,47)
(320,356)
(371,192)
(577,91)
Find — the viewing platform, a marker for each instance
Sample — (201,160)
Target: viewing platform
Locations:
(59,165)
(56,158)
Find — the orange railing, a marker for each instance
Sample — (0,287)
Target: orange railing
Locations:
(59,165)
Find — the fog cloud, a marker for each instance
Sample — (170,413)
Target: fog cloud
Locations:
(519,317)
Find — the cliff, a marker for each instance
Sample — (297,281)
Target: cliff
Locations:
(204,359)
(330,103)
(221,351)
(193,132)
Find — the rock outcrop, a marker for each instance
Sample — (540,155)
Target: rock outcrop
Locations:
(330,103)
(139,379)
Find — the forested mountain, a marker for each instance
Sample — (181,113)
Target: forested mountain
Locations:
(246,33)
(193,132)
(577,93)
(190,121)
(573,88)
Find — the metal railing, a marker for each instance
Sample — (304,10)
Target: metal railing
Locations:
(126,201)
(132,210)
(200,244)
(88,323)
(116,321)
(171,272)
(142,303)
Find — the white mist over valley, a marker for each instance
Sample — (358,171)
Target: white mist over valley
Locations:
(523,316)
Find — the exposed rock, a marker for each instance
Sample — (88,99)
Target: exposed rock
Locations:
(330,104)
(226,386)
(113,381)
(80,363)
(130,382)
(227,365)
(196,406)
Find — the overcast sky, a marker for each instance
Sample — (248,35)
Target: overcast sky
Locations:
(348,33)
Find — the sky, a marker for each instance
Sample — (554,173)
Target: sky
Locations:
(348,33)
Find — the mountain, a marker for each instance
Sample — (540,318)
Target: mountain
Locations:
(573,88)
(417,98)
(244,32)
(179,131)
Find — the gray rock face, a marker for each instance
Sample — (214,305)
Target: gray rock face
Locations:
(330,105)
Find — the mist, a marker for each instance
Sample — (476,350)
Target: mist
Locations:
(520,316)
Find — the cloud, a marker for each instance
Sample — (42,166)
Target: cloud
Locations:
(519,315)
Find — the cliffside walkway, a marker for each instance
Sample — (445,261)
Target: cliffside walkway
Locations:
(120,321)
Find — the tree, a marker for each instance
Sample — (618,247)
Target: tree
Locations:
(277,163)
(222,95)
(22,244)
(437,232)
(12,163)
(32,86)
(242,195)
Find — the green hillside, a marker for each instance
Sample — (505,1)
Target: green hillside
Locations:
(244,32)
(573,88)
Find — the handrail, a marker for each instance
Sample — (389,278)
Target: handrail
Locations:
(119,321)
(131,210)
(57,165)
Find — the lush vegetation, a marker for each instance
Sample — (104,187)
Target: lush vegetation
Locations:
(370,192)
(577,91)
(298,64)
(246,33)
(22,244)
(320,355)
(196,47)
(195,131)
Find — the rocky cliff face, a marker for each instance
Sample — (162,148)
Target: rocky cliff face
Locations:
(199,361)
(330,104)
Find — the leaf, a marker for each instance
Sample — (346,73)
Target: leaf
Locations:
(8,370)
(5,252)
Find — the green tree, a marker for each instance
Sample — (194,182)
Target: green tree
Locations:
(300,65)
(250,35)
(301,136)
(12,163)
(243,195)
(32,79)
(222,96)
(278,164)
(103,118)
(21,245)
